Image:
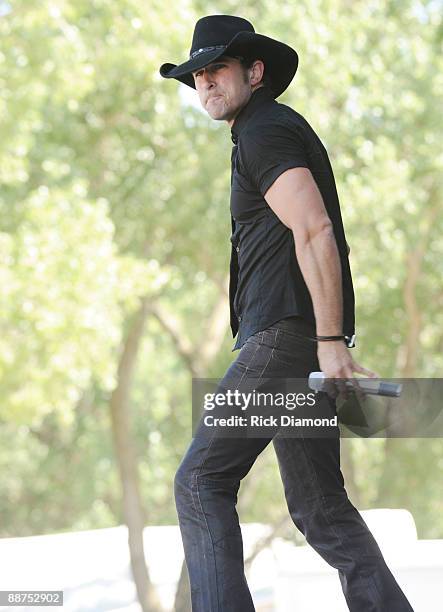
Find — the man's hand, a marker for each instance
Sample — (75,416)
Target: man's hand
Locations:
(336,362)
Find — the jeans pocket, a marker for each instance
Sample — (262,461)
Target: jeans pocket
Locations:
(248,352)
(283,356)
(291,349)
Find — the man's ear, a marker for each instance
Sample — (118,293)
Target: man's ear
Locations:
(257,71)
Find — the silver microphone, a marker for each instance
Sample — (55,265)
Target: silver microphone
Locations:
(371,386)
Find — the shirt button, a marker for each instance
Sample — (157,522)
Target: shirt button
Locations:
(239,318)
(237,249)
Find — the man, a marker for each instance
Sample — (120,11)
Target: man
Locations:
(292,304)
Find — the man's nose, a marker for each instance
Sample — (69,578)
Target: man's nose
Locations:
(208,78)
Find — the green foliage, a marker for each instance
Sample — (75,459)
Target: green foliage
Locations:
(115,186)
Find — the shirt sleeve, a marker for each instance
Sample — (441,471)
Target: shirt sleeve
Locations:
(271,149)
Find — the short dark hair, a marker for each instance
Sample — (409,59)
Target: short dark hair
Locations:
(247,62)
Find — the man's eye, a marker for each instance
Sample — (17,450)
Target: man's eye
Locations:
(213,67)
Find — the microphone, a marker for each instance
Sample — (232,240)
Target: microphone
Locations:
(371,386)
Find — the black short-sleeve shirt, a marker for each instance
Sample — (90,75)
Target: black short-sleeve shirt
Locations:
(266,283)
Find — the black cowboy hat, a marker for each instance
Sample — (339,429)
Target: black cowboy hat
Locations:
(218,35)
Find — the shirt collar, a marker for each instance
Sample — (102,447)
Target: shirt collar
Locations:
(260,97)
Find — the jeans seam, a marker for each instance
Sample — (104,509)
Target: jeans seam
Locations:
(270,356)
(252,359)
(208,531)
(199,560)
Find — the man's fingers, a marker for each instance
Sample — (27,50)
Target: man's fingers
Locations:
(330,388)
(362,370)
(339,386)
(340,383)
(342,388)
(356,388)
(359,392)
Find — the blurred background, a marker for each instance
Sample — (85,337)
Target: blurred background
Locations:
(114,242)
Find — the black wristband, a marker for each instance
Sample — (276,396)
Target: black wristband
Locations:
(348,340)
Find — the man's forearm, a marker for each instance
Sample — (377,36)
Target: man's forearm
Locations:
(320,265)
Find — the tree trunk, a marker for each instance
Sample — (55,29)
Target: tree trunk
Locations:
(348,469)
(183,594)
(408,355)
(127,462)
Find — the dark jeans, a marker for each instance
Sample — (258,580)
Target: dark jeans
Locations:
(208,480)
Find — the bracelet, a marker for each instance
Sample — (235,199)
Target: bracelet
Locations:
(348,340)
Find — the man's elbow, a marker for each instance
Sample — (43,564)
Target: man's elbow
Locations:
(307,234)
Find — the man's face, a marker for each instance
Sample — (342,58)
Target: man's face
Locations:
(224,87)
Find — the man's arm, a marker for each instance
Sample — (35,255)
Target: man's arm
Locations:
(296,200)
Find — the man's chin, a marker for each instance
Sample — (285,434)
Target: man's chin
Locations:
(217,115)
